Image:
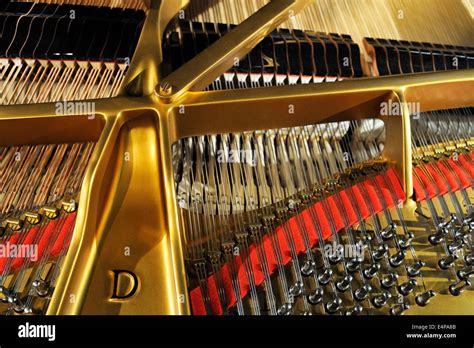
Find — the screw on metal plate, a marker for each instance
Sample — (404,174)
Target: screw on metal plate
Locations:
(165,89)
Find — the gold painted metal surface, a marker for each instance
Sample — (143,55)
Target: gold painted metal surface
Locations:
(128,198)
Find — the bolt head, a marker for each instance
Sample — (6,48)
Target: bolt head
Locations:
(165,89)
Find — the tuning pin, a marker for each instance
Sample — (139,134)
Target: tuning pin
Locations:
(436,238)
(353,265)
(423,299)
(462,232)
(405,241)
(466,272)
(397,259)
(308,268)
(344,283)
(356,310)
(41,287)
(27,311)
(16,304)
(367,238)
(285,309)
(455,246)
(5,293)
(468,223)
(389,232)
(362,293)
(316,297)
(380,252)
(371,271)
(468,219)
(448,222)
(334,258)
(296,289)
(389,280)
(382,299)
(334,305)
(414,270)
(399,308)
(406,288)
(325,277)
(442,230)
(456,288)
(469,258)
(447,261)
(466,239)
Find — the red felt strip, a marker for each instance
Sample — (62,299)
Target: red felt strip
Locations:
(373,196)
(466,162)
(385,185)
(28,241)
(297,225)
(361,205)
(348,208)
(46,237)
(5,250)
(396,185)
(41,236)
(462,173)
(418,188)
(63,238)
(449,175)
(335,214)
(426,183)
(444,176)
(437,179)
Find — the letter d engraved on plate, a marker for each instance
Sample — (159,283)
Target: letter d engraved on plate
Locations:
(125,285)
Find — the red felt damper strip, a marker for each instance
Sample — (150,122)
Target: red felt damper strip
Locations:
(418,187)
(385,185)
(64,237)
(438,179)
(455,175)
(28,241)
(425,184)
(5,250)
(463,174)
(374,198)
(396,186)
(296,226)
(46,236)
(466,162)
(348,208)
(450,176)
(40,236)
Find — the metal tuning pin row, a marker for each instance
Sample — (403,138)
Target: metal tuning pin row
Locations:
(39,186)
(443,147)
(27,280)
(268,229)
